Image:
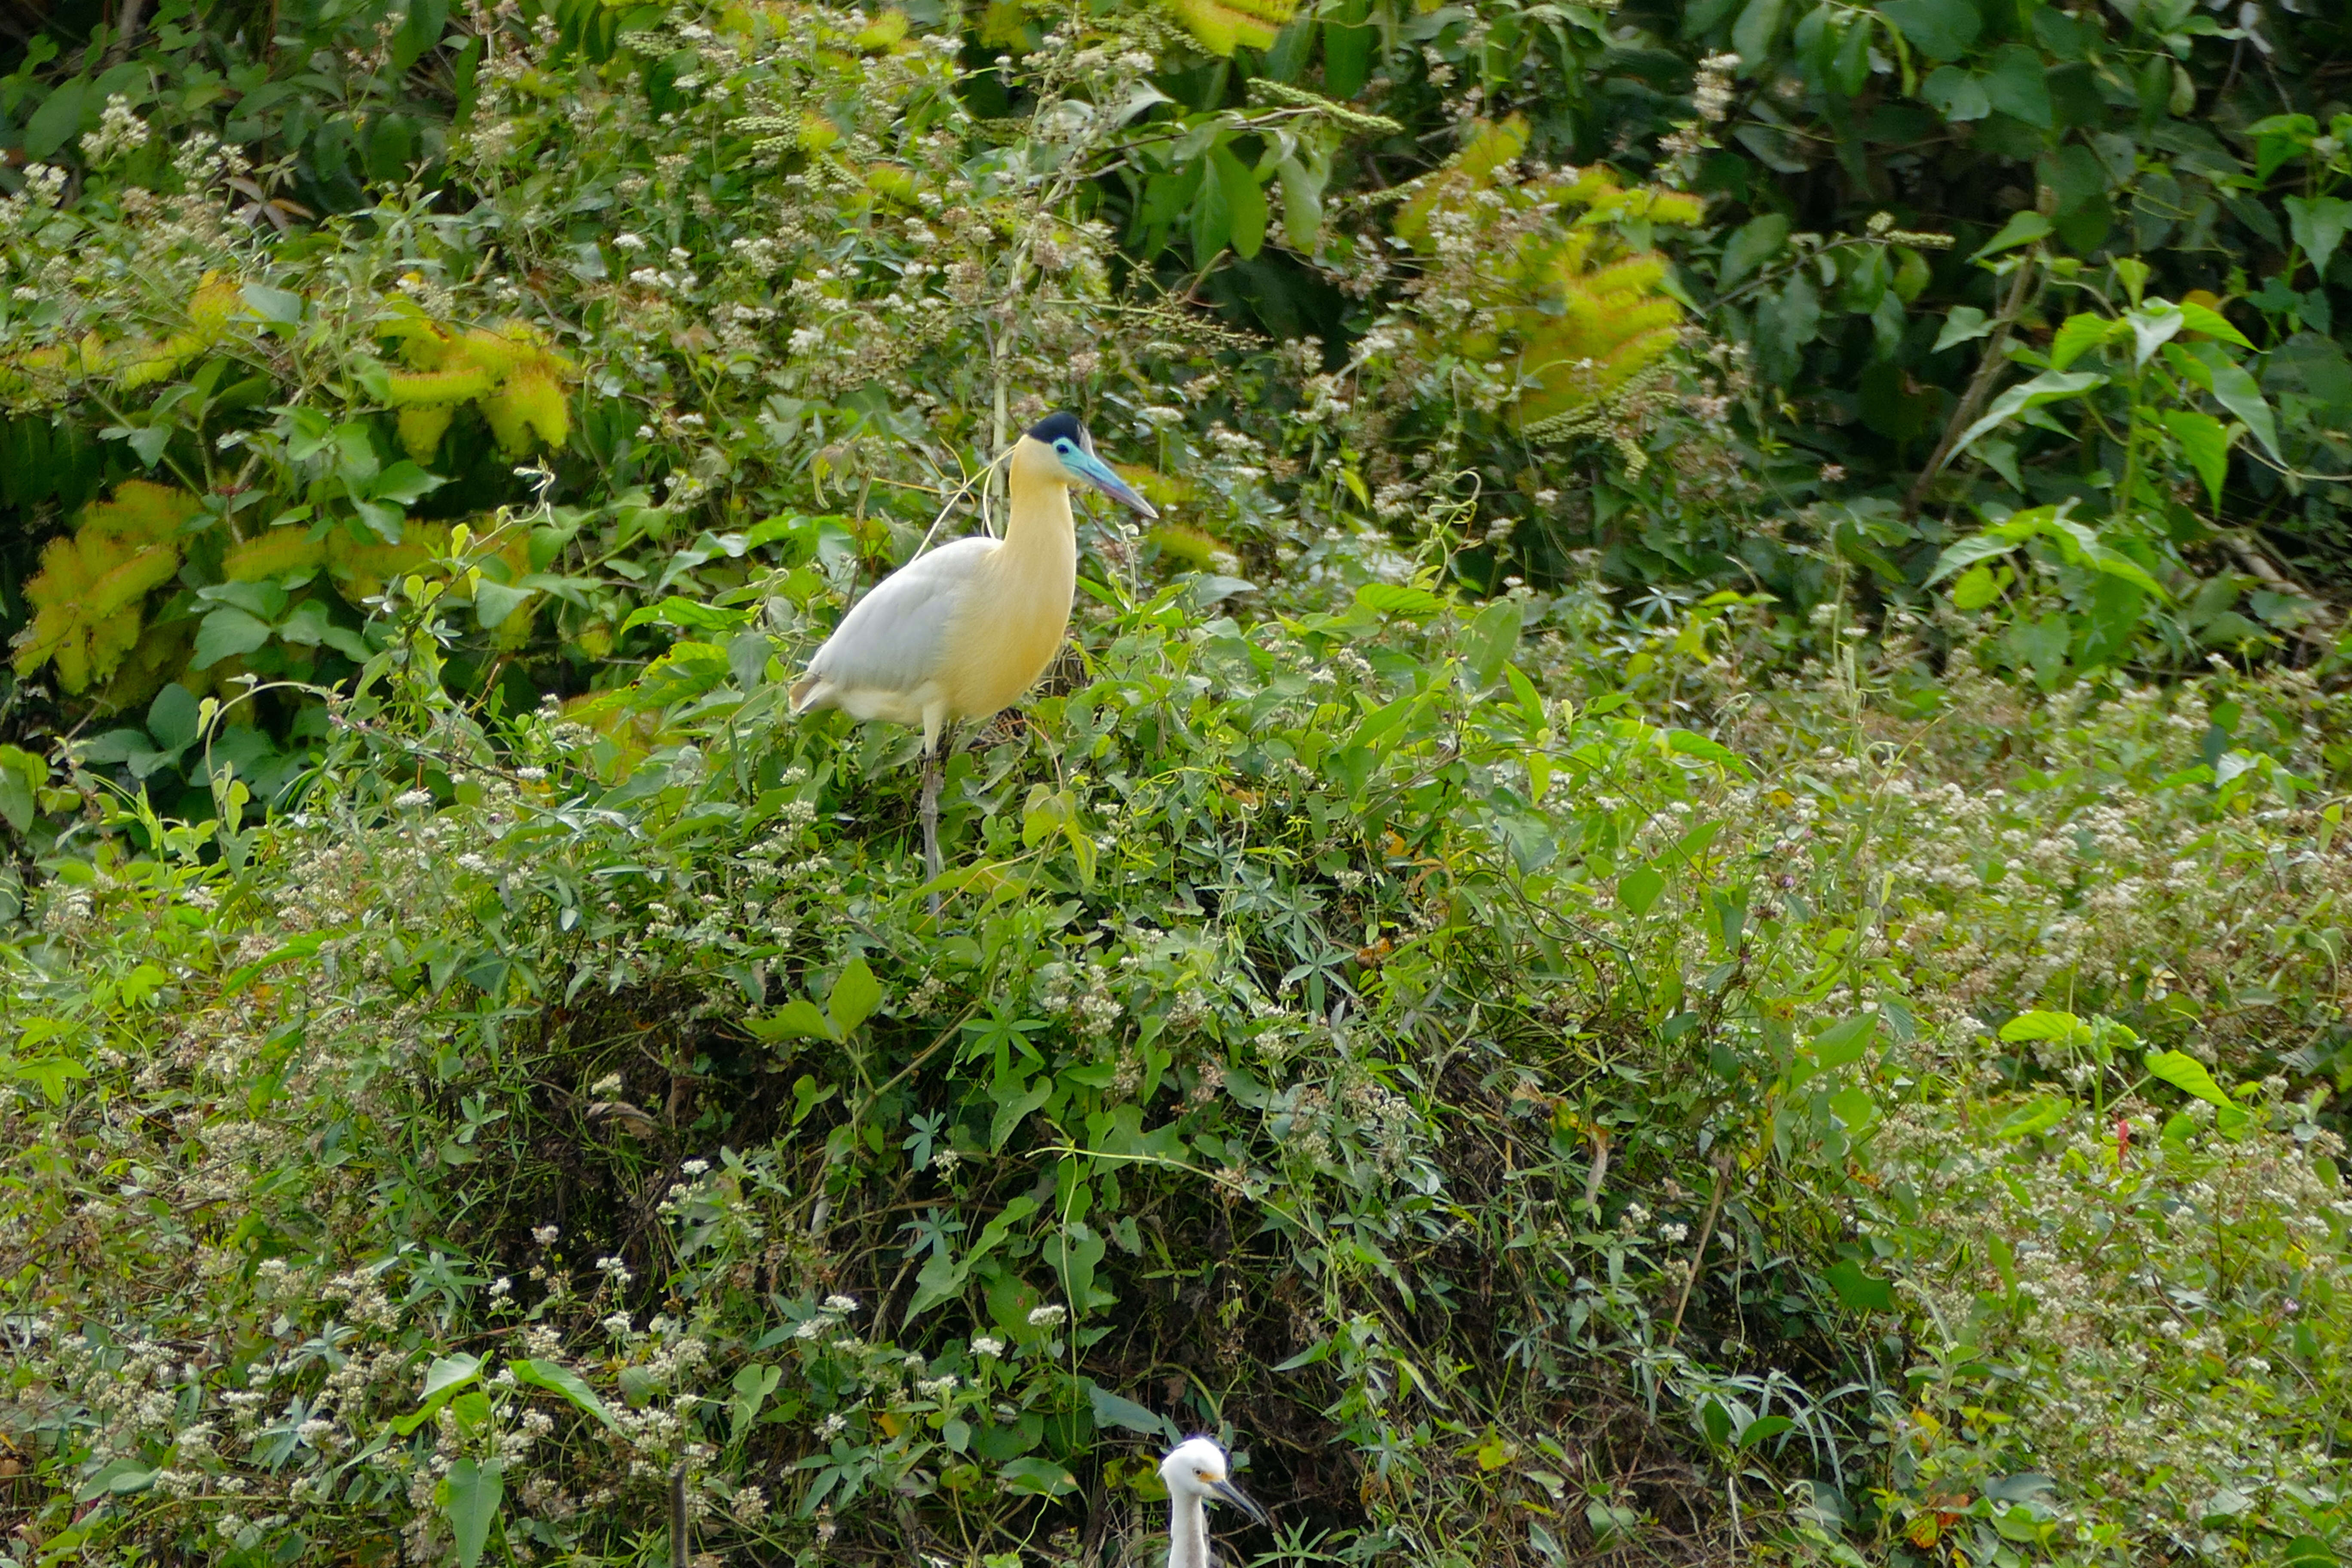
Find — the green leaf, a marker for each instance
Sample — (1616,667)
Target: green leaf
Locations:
(2236,391)
(276,306)
(1111,1410)
(494,603)
(1639,888)
(1491,640)
(1302,204)
(2079,335)
(1965,324)
(2153,325)
(798,1019)
(1012,1108)
(1979,585)
(855,996)
(561,1380)
(57,121)
(1757,241)
(1245,200)
(2018,86)
(2318,224)
(1764,1429)
(1955,95)
(2024,227)
(1843,1043)
(1037,1477)
(2040,1026)
(227,632)
(1396,599)
(1213,217)
(443,1379)
(2212,324)
(2051,386)
(470,1494)
(1752,35)
(1939,30)
(2205,442)
(2186,1073)
(2037,1117)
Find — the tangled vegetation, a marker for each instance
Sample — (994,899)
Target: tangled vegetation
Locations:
(1687,905)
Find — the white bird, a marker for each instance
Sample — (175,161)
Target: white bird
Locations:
(961,632)
(1196,1473)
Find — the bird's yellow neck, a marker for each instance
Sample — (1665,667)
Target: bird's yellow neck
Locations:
(1040,527)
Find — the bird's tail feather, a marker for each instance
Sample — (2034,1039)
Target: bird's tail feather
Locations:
(803,692)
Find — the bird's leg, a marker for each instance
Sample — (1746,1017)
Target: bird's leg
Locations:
(933,769)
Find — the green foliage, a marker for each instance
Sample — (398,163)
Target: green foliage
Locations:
(1365,1033)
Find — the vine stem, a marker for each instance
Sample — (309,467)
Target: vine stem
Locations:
(1972,401)
(1705,1235)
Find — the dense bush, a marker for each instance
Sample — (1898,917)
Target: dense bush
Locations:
(1531,1130)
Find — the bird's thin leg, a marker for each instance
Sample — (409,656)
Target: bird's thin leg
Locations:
(932,770)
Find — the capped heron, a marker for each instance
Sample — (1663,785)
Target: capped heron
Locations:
(961,632)
(1197,1474)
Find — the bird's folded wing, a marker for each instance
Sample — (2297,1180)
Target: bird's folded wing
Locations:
(894,638)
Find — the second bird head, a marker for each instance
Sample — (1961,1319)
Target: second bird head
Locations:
(1197,1468)
(1074,451)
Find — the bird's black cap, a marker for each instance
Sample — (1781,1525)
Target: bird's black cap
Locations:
(1054,426)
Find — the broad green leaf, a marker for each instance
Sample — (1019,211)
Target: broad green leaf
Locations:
(1965,324)
(1752,35)
(1111,1410)
(1039,1477)
(2212,324)
(798,1019)
(561,1380)
(2318,224)
(2205,441)
(2019,85)
(1757,241)
(1979,585)
(2039,1025)
(226,633)
(1842,1042)
(2153,325)
(1212,218)
(1862,1291)
(1955,95)
(443,1380)
(2051,386)
(277,306)
(2078,335)
(1244,202)
(1962,554)
(2186,1073)
(1763,1429)
(1302,204)
(855,996)
(495,602)
(1490,641)
(1639,888)
(2236,391)
(2037,1117)
(2024,227)
(1939,30)
(470,1494)
(1396,599)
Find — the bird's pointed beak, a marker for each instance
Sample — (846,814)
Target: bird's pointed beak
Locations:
(1232,1494)
(1093,470)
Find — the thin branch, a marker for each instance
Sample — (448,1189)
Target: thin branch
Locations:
(1971,402)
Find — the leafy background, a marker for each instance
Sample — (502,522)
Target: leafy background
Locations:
(1686,905)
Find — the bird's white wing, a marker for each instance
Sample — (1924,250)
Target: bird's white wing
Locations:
(894,638)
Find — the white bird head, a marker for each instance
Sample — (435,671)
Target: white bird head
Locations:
(1073,451)
(1197,1471)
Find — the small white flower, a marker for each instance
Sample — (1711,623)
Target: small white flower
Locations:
(409,800)
(845,1305)
(695,1167)
(1047,1317)
(988,1344)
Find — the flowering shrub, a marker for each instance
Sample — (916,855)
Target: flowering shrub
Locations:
(1362,1033)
